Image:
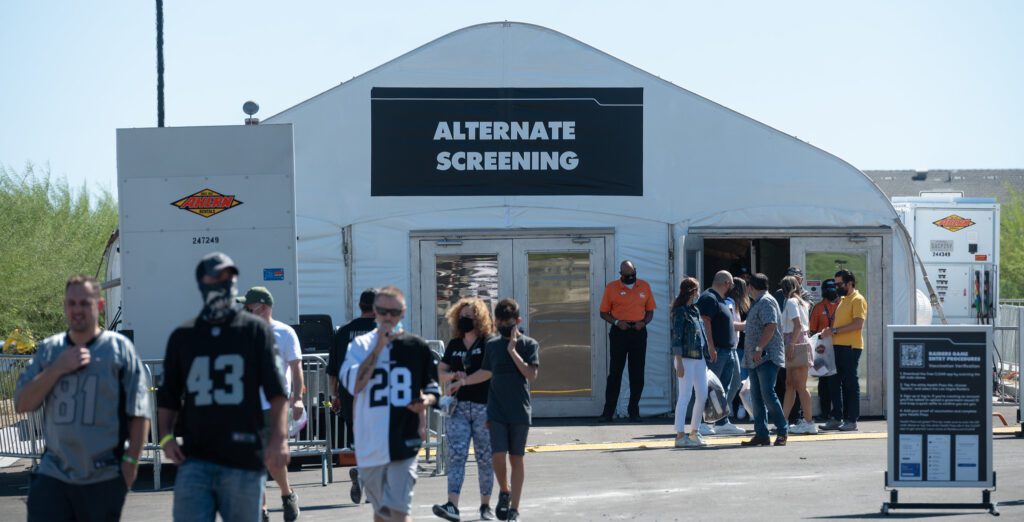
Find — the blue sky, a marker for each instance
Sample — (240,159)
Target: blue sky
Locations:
(883,85)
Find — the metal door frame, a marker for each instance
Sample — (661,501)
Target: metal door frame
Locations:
(876,405)
(554,406)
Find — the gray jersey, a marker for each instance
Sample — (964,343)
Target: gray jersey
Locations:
(85,416)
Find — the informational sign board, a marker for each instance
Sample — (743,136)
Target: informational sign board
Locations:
(506,141)
(185,192)
(940,406)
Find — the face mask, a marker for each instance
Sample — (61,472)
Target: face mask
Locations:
(506,331)
(218,300)
(830,295)
(629,279)
(466,324)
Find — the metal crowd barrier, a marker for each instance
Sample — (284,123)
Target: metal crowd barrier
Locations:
(1008,337)
(21,434)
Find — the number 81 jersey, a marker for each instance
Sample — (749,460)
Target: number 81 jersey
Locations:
(385,429)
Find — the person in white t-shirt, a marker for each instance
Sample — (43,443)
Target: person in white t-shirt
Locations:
(798,354)
(260,302)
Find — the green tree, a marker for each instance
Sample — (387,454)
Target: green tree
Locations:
(1011,246)
(48,231)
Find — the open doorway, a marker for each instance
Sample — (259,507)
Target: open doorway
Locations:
(768,255)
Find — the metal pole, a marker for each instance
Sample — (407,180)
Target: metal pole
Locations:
(159,63)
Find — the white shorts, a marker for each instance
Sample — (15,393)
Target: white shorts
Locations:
(389,487)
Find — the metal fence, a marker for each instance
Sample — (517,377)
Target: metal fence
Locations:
(21,434)
(1008,346)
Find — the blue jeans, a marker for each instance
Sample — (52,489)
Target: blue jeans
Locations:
(725,368)
(764,401)
(202,489)
(844,387)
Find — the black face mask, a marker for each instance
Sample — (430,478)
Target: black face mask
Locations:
(506,331)
(219,301)
(830,295)
(466,324)
(629,279)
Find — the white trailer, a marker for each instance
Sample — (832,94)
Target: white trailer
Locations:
(957,239)
(187,191)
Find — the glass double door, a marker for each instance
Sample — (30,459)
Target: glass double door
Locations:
(556,281)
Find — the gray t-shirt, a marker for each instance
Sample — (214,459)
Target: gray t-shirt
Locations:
(508,398)
(763,312)
(85,415)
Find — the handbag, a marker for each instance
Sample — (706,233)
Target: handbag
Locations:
(799,356)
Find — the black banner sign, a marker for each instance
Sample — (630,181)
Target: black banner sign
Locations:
(940,426)
(507,141)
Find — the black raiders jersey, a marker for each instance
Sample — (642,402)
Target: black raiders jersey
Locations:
(212,375)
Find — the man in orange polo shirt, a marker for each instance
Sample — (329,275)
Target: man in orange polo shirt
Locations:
(627,305)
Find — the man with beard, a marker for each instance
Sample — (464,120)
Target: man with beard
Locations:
(848,343)
(95,394)
(627,305)
(214,368)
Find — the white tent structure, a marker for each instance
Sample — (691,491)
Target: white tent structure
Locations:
(717,189)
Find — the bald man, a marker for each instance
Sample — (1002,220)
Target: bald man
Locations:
(627,305)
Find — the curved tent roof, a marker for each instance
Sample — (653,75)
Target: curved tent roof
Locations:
(698,155)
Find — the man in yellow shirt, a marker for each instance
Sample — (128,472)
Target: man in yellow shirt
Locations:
(628,305)
(847,333)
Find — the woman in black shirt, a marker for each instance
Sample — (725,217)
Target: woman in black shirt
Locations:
(471,326)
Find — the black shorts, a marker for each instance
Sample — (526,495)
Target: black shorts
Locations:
(509,438)
(52,499)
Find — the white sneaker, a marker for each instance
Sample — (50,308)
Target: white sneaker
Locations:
(810,428)
(706,429)
(698,440)
(683,441)
(729,429)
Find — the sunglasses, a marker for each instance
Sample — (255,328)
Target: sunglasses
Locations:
(393,312)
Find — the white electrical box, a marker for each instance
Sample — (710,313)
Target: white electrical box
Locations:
(187,191)
(957,239)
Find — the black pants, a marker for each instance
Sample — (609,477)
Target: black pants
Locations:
(346,425)
(631,345)
(824,395)
(845,385)
(52,500)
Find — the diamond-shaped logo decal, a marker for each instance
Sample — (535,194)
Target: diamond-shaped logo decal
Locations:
(207,203)
(953,223)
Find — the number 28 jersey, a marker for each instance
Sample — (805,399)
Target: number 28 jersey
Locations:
(386,430)
(212,376)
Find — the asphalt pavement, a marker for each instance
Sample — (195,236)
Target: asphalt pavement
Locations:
(576,470)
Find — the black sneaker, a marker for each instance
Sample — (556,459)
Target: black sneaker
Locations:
(447,511)
(356,493)
(501,510)
(290,505)
(513,514)
(486,513)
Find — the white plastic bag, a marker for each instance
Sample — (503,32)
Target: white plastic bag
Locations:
(717,406)
(745,397)
(824,364)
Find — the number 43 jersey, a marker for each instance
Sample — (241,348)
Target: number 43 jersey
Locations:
(386,430)
(212,376)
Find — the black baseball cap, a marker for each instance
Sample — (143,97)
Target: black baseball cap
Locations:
(828,284)
(213,264)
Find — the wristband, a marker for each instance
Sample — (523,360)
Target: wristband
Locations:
(166,438)
(128,458)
